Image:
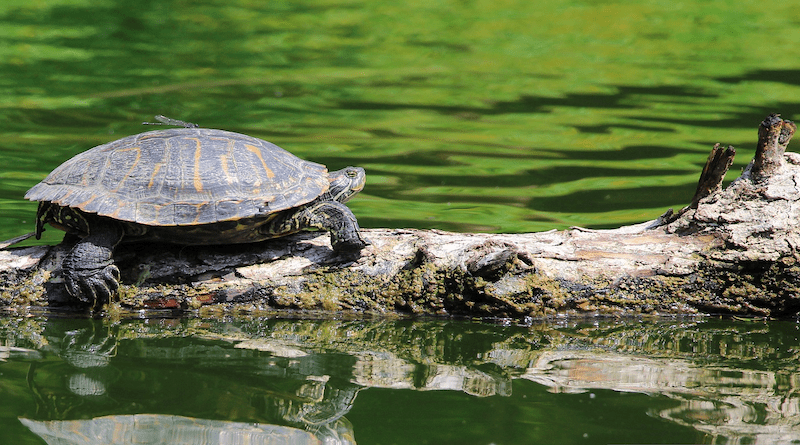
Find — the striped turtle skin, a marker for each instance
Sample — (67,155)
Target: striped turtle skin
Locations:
(187,186)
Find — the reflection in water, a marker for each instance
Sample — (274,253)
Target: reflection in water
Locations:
(386,370)
(153,429)
(98,371)
(738,384)
(746,406)
(294,381)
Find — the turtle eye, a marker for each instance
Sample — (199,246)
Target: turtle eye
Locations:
(351,173)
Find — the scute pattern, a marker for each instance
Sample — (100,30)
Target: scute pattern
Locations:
(183,176)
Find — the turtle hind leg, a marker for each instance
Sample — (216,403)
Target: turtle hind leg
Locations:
(89,271)
(332,216)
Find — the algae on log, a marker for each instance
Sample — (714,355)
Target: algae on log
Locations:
(730,251)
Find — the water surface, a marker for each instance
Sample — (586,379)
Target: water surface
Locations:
(398,382)
(467,115)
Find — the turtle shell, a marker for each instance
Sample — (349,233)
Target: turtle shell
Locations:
(183,176)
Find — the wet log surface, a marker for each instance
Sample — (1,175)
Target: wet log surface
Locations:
(732,251)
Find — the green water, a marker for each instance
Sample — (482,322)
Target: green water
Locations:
(400,382)
(506,116)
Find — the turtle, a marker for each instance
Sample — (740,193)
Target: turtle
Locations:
(191,186)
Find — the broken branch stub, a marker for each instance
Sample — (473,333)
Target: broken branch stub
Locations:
(717,165)
(774,134)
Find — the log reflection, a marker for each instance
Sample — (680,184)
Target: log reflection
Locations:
(734,382)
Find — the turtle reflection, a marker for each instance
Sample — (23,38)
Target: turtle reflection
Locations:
(219,375)
(114,370)
(164,429)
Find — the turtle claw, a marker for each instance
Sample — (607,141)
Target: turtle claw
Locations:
(89,271)
(92,286)
(350,246)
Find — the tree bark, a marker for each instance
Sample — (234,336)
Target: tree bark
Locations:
(732,251)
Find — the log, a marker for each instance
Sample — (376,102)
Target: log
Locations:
(730,251)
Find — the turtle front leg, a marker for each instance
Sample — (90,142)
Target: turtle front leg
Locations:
(89,271)
(332,216)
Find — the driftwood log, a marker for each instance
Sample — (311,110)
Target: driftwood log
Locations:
(731,251)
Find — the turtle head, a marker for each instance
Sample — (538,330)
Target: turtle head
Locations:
(345,183)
